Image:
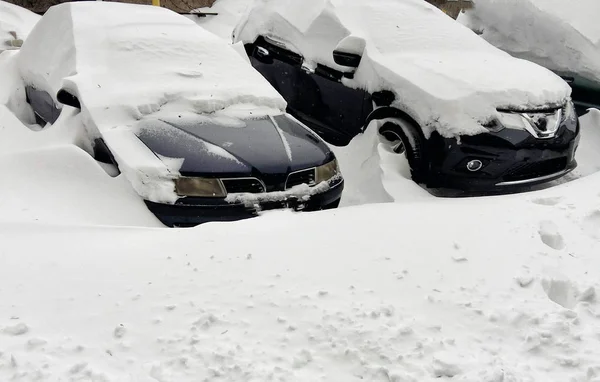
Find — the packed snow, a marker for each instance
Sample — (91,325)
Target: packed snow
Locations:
(561,35)
(15,24)
(492,289)
(445,76)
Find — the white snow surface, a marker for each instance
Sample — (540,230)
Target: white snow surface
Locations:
(444,76)
(561,35)
(15,19)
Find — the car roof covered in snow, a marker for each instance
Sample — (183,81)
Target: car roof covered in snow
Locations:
(125,61)
(444,75)
(14,20)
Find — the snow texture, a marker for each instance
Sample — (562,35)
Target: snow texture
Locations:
(444,76)
(561,35)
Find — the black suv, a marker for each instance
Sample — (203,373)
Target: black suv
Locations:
(498,159)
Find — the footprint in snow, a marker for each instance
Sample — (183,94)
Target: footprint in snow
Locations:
(550,235)
(550,201)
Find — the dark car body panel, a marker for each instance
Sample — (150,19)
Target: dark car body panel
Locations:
(510,157)
(43,105)
(317,98)
(260,149)
(337,113)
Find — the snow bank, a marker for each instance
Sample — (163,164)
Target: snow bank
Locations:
(444,76)
(367,298)
(15,23)
(561,35)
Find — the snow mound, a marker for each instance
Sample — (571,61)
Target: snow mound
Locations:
(561,35)
(127,61)
(15,23)
(443,74)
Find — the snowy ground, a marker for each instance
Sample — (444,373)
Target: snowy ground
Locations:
(486,289)
(482,289)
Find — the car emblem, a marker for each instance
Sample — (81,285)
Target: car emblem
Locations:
(543,125)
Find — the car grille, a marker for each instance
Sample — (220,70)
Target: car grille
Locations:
(243,185)
(537,169)
(300,177)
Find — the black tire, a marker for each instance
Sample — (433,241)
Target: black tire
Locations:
(414,146)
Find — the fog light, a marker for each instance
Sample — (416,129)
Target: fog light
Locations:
(474,165)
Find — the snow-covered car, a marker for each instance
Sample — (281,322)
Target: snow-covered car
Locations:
(466,114)
(197,131)
(559,35)
(15,24)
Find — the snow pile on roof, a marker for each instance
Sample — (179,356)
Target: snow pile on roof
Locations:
(15,23)
(561,35)
(445,76)
(125,61)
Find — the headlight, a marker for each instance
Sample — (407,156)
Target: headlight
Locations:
(327,171)
(513,121)
(569,111)
(202,187)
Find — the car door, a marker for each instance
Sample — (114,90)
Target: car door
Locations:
(317,97)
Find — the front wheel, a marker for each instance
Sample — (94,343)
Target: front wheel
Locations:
(406,138)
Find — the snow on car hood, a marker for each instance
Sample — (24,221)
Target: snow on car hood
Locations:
(444,75)
(14,20)
(561,35)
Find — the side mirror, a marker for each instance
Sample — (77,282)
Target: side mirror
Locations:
(350,60)
(67,98)
(349,51)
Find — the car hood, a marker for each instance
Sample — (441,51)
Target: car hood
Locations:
(265,146)
(499,78)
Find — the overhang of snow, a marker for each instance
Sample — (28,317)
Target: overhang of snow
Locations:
(443,74)
(561,35)
(15,23)
(125,61)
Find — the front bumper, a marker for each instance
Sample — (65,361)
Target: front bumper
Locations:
(188,212)
(511,158)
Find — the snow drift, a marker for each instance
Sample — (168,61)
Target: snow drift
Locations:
(561,35)
(443,74)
